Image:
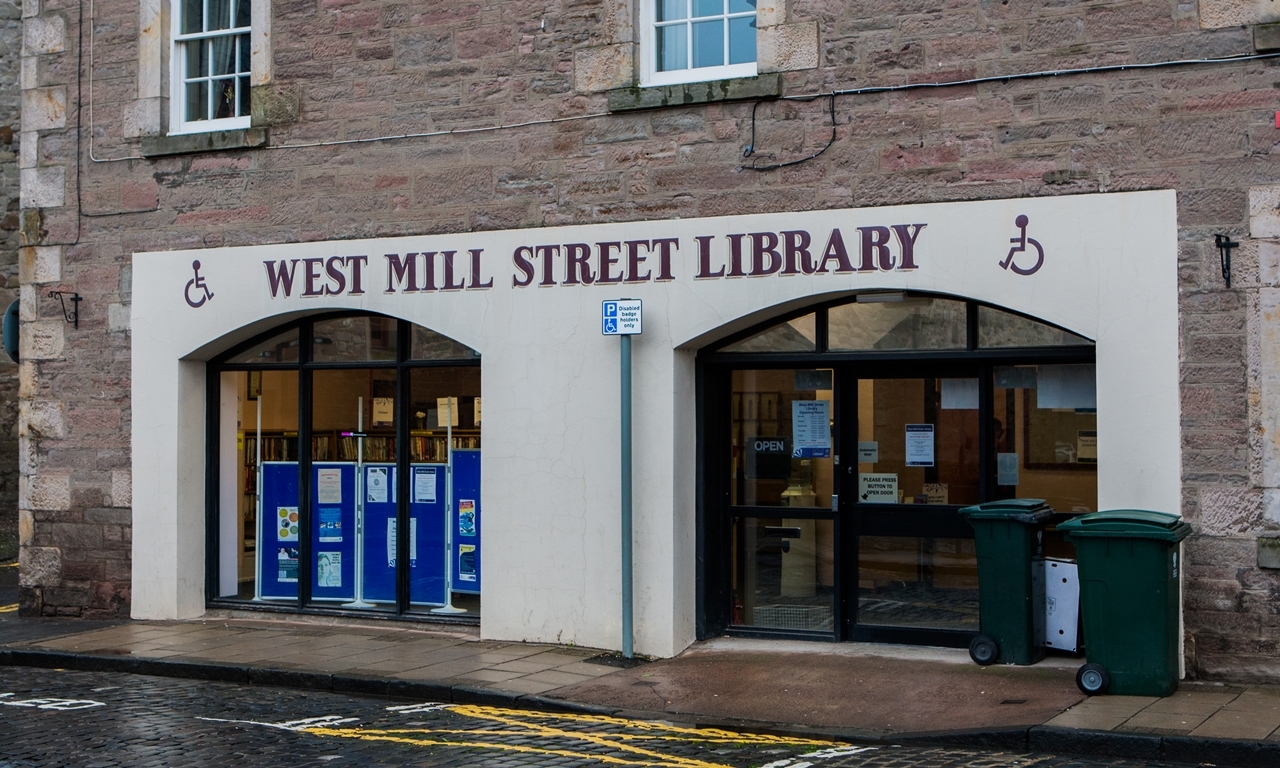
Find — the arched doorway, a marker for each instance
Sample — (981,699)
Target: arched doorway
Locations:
(327,437)
(839,443)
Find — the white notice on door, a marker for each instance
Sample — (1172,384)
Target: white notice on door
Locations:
(878,488)
(919,445)
(810,429)
(868,451)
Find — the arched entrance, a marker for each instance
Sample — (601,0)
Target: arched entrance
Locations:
(330,435)
(840,442)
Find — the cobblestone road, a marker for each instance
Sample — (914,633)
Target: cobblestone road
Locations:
(61,718)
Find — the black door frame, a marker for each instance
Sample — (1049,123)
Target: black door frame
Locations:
(714,515)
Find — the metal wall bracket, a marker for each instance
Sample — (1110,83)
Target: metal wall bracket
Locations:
(73,316)
(1225,244)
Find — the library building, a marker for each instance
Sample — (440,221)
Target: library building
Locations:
(429,427)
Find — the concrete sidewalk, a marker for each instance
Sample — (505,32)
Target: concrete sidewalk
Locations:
(853,691)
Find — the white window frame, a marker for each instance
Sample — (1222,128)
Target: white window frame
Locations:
(177,72)
(650,76)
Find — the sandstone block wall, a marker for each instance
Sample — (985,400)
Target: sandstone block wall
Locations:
(342,70)
(10,44)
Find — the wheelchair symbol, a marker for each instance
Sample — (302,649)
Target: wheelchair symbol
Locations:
(611,326)
(1019,246)
(198,283)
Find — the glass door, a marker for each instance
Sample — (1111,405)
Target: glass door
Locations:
(916,458)
(353,488)
(782,475)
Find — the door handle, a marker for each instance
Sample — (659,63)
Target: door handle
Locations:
(784,532)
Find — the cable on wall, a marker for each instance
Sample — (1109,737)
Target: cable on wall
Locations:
(750,150)
(1041,74)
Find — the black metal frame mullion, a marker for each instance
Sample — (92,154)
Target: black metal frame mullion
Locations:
(403,527)
(706,576)
(304,465)
(986,440)
(846,557)
(971,325)
(826,360)
(213,461)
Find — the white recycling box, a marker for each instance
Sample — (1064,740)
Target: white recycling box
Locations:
(1061,605)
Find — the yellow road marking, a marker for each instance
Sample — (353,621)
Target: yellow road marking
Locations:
(523,724)
(8,608)
(641,725)
(660,762)
(9,565)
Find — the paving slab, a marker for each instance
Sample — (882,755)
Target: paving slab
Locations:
(876,694)
(1147,721)
(1236,724)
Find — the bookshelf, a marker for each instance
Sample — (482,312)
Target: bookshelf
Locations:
(428,445)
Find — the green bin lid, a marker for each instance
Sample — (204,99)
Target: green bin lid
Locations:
(1128,524)
(1022,510)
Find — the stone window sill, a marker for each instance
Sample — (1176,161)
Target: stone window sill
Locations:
(766,86)
(214,141)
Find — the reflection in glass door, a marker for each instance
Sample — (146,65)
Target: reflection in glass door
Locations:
(918,459)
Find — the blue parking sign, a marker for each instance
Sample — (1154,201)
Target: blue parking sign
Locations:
(620,318)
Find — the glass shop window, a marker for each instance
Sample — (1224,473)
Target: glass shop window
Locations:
(1046,434)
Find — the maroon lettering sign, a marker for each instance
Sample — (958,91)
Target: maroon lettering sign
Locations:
(782,253)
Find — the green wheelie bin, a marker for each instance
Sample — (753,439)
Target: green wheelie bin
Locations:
(1009,538)
(1130,599)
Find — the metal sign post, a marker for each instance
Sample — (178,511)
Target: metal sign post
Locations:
(448,607)
(623,318)
(359,602)
(258,526)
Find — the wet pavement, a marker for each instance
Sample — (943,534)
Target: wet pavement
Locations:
(92,719)
(16,630)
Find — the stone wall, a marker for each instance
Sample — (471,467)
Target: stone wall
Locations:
(10,44)
(347,70)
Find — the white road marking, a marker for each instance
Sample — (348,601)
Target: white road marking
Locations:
(822,754)
(412,709)
(59,705)
(324,721)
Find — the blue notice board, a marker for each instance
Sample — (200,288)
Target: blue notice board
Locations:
(278,531)
(378,561)
(426,549)
(333,530)
(466,521)
(426,508)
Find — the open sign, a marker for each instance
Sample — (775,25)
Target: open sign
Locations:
(768,458)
